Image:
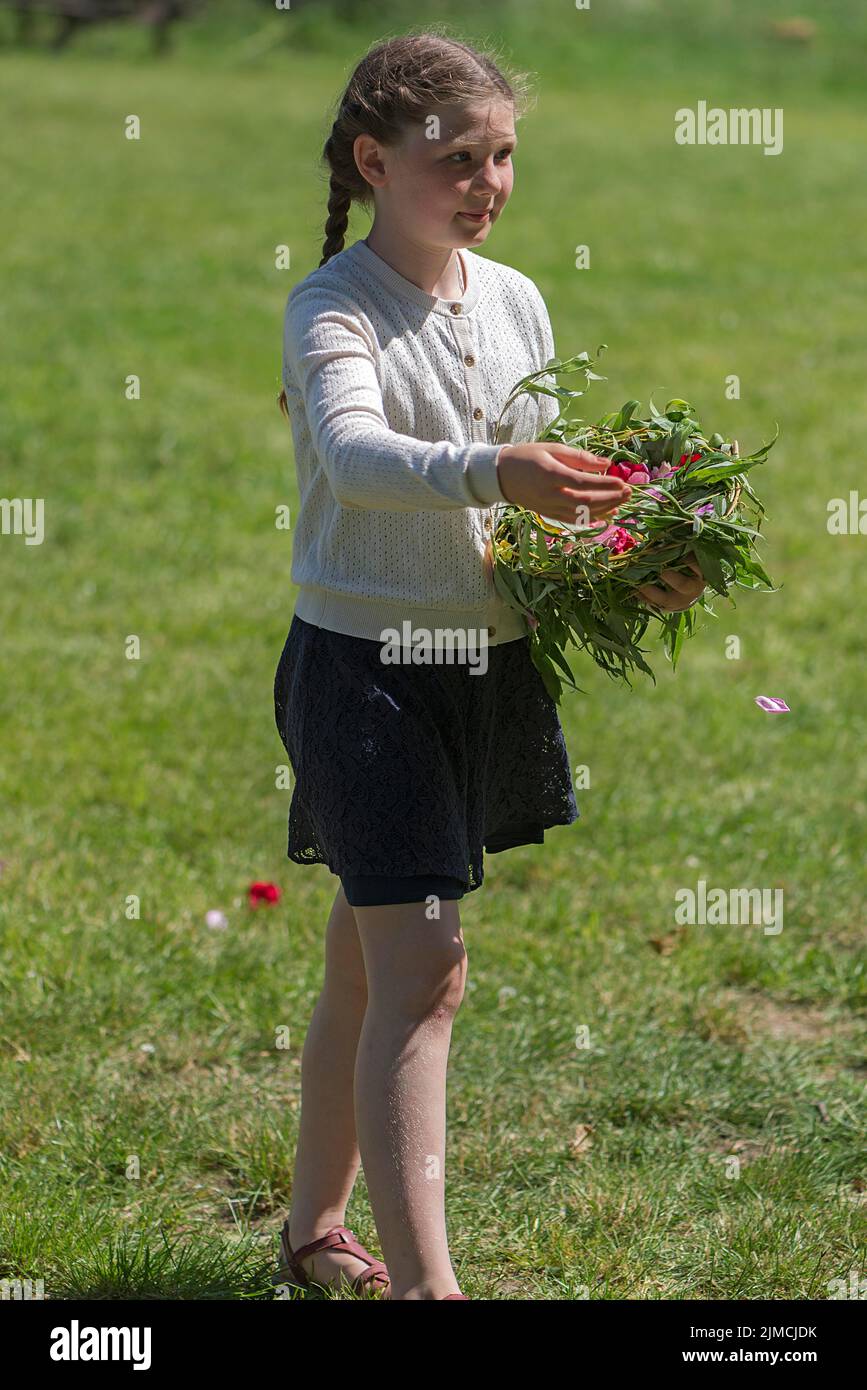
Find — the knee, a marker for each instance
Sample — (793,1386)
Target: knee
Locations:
(450,987)
(435,992)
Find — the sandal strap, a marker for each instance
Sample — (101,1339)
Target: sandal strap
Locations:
(338,1235)
(341,1238)
(377,1273)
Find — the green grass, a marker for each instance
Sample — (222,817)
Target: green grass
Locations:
(155,778)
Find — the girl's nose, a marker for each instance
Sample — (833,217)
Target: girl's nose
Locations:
(490,178)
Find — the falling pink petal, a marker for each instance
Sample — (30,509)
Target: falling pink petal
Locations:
(772,703)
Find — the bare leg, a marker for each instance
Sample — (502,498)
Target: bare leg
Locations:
(327,1157)
(416,971)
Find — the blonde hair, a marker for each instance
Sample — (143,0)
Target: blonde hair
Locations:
(397,83)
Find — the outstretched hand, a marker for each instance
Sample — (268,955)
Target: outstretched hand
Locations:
(682,591)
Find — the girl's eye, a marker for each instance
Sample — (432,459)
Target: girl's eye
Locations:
(502,155)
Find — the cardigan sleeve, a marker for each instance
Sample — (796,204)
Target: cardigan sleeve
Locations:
(330,354)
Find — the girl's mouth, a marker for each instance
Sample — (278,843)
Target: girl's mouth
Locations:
(476,217)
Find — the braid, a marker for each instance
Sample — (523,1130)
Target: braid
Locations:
(339,203)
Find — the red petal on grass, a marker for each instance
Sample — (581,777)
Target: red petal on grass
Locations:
(263,893)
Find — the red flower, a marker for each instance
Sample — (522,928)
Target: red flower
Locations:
(693,458)
(263,893)
(618,540)
(620,470)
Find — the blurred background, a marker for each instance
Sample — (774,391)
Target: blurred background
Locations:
(709,1142)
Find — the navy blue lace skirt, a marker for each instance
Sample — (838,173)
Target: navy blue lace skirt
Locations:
(404,770)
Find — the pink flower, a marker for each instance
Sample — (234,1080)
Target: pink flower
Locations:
(618,540)
(639,475)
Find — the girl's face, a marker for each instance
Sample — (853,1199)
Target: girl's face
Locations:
(428,183)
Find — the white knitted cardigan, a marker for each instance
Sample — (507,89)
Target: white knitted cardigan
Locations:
(393,395)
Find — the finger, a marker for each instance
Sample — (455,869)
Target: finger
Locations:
(693,564)
(684,583)
(596,503)
(654,595)
(681,583)
(578,458)
(592,482)
(669,603)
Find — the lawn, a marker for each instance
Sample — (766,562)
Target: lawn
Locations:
(709,1141)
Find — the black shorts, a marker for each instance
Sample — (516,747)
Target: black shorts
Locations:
(406,770)
(372,890)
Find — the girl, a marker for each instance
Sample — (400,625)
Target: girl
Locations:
(398,354)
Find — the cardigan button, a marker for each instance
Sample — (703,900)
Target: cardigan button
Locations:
(488,523)
(478,413)
(470,360)
(491,631)
(455,308)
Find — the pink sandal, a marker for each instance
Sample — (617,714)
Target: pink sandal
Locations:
(340,1238)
